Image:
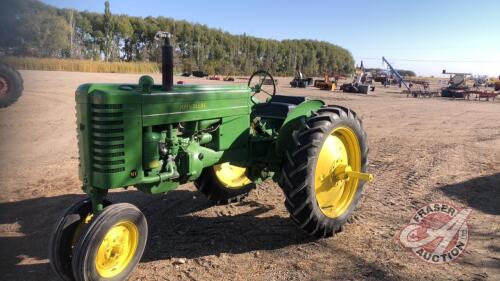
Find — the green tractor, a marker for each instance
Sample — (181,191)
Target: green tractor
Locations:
(222,138)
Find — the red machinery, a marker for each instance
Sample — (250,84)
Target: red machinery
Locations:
(481,94)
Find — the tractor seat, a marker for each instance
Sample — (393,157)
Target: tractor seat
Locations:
(278,107)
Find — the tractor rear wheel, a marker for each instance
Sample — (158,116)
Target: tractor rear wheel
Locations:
(11,85)
(324,170)
(112,244)
(224,183)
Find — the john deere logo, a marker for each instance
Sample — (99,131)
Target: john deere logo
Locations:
(192,106)
(437,233)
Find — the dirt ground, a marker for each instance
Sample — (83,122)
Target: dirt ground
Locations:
(421,151)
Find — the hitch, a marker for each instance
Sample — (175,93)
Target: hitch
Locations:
(346,172)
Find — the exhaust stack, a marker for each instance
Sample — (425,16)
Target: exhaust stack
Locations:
(167,61)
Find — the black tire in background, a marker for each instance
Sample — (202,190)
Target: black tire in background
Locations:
(13,83)
(297,176)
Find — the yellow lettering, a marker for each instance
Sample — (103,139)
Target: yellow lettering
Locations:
(192,106)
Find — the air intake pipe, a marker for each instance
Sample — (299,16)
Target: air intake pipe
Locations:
(167,61)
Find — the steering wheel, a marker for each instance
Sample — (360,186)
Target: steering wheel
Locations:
(259,79)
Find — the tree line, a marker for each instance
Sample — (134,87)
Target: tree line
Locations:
(32,28)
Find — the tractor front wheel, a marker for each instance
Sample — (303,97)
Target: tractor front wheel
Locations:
(66,234)
(224,183)
(324,170)
(112,244)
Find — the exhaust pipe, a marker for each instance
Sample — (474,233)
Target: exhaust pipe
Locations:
(167,61)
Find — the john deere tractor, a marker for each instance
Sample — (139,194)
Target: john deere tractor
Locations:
(225,139)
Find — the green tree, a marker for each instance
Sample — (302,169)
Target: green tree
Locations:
(108,25)
(123,37)
(32,28)
(46,35)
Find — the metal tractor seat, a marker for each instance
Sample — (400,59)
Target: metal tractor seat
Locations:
(278,107)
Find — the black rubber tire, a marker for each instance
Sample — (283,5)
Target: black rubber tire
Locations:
(15,84)
(83,263)
(60,248)
(215,191)
(297,176)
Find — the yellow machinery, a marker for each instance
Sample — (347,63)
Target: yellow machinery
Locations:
(494,83)
(326,84)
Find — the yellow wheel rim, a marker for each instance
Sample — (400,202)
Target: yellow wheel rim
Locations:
(231,176)
(339,157)
(117,249)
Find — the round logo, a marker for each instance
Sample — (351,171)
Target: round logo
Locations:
(437,233)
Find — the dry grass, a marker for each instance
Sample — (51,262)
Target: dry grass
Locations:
(51,64)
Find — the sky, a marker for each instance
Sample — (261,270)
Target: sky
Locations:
(425,36)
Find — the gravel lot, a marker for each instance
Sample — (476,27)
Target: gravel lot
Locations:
(421,151)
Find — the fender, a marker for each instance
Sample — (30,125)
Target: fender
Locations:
(292,121)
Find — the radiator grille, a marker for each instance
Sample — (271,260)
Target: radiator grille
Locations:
(107,139)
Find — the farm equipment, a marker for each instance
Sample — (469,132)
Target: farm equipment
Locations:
(481,94)
(396,78)
(361,83)
(222,138)
(300,82)
(385,78)
(326,84)
(457,87)
(381,77)
(11,85)
(415,88)
(268,81)
(420,89)
(494,83)
(199,73)
(480,81)
(214,77)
